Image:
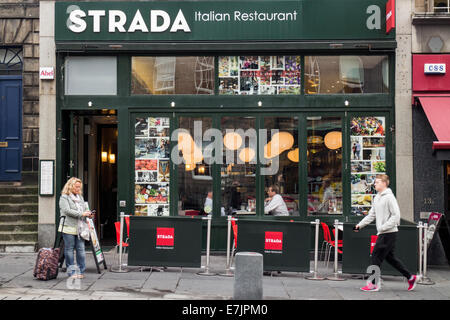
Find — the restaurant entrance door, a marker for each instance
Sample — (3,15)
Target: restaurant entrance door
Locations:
(89,152)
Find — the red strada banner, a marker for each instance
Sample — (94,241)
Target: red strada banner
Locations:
(390,16)
(273,241)
(373,241)
(165,237)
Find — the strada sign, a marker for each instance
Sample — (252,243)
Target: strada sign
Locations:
(219,20)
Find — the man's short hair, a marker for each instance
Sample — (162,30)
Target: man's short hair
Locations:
(275,188)
(384,178)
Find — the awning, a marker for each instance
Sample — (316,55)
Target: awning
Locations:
(437,110)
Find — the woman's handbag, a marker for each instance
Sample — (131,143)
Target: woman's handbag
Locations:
(83,229)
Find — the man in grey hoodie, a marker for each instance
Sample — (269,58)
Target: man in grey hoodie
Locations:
(386,212)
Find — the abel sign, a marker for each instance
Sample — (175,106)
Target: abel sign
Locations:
(220,20)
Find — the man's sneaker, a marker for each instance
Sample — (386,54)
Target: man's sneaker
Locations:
(370,287)
(412,283)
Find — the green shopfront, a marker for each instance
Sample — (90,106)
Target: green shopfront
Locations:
(212,102)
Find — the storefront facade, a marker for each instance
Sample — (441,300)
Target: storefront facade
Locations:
(171,103)
(431,99)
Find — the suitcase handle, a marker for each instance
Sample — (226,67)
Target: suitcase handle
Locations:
(58,234)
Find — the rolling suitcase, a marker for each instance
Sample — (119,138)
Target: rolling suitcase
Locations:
(46,267)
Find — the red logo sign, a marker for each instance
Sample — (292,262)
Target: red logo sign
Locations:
(373,241)
(165,237)
(273,241)
(390,16)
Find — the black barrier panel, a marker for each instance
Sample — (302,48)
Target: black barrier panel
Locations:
(164,241)
(357,248)
(284,245)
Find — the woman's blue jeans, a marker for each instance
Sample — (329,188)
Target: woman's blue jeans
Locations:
(72,242)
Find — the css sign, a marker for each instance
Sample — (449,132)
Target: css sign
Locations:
(434,68)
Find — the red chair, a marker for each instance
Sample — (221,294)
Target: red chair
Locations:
(328,242)
(235,232)
(124,244)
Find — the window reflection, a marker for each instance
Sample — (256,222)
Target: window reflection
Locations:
(238,179)
(346,74)
(194,175)
(172,75)
(324,165)
(286,177)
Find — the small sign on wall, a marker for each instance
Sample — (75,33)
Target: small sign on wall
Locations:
(46,73)
(434,68)
(46,177)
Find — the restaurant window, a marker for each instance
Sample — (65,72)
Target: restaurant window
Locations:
(90,76)
(281,147)
(238,170)
(151,165)
(346,74)
(172,75)
(368,158)
(195,170)
(324,155)
(259,75)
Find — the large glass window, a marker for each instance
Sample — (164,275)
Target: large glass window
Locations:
(281,147)
(238,170)
(195,188)
(368,158)
(151,164)
(251,75)
(346,74)
(172,75)
(91,76)
(324,165)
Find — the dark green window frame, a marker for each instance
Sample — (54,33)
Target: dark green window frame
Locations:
(218,105)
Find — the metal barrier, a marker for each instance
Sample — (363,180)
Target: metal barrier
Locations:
(336,276)
(228,272)
(120,269)
(208,243)
(316,252)
(423,251)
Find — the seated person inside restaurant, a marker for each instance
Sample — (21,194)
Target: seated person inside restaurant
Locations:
(208,206)
(274,204)
(328,194)
(208,203)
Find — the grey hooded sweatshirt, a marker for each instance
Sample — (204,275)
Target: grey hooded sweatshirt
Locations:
(386,211)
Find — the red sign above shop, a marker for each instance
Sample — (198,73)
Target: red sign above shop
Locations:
(436,79)
(390,16)
(165,237)
(273,241)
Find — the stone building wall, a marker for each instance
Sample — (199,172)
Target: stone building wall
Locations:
(19,26)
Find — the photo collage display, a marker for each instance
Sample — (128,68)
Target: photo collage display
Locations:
(368,158)
(151,165)
(268,75)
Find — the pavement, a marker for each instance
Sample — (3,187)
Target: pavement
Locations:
(17,283)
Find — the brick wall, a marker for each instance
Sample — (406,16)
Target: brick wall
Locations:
(19,26)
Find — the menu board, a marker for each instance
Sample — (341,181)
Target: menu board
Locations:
(96,247)
(46,177)
(266,75)
(151,165)
(368,158)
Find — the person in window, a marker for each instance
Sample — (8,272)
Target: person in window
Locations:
(274,204)
(328,194)
(208,203)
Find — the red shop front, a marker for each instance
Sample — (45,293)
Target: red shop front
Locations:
(431,144)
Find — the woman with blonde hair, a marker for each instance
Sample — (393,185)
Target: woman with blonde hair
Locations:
(73,208)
